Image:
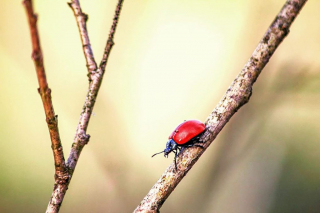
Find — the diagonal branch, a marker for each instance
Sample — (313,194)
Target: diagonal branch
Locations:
(45,93)
(82,19)
(236,96)
(95,78)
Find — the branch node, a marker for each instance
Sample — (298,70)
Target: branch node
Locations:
(84,138)
(35,17)
(36,55)
(110,42)
(52,124)
(48,92)
(85,16)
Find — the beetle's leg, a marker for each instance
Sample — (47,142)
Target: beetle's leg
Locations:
(197,145)
(175,159)
(179,148)
(197,138)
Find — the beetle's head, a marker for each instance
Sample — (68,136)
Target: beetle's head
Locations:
(170,146)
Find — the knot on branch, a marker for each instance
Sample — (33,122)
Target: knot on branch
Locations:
(77,10)
(89,75)
(62,177)
(83,138)
(110,42)
(52,122)
(69,4)
(45,91)
(36,55)
(35,17)
(85,16)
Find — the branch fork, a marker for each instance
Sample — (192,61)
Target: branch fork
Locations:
(64,170)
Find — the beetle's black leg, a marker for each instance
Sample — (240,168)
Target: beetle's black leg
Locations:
(179,149)
(197,139)
(182,148)
(197,145)
(175,159)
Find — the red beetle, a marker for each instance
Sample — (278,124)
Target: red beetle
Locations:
(185,135)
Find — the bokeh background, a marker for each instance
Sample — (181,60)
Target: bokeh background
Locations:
(172,61)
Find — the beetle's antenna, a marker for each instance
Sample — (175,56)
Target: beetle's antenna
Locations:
(157,153)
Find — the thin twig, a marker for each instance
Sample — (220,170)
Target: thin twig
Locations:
(95,79)
(236,96)
(82,19)
(45,93)
(110,42)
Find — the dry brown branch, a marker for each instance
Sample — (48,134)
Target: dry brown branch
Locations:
(236,96)
(45,93)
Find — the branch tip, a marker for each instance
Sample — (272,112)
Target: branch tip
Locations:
(81,19)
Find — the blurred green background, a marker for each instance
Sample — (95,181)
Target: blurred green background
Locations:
(172,60)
